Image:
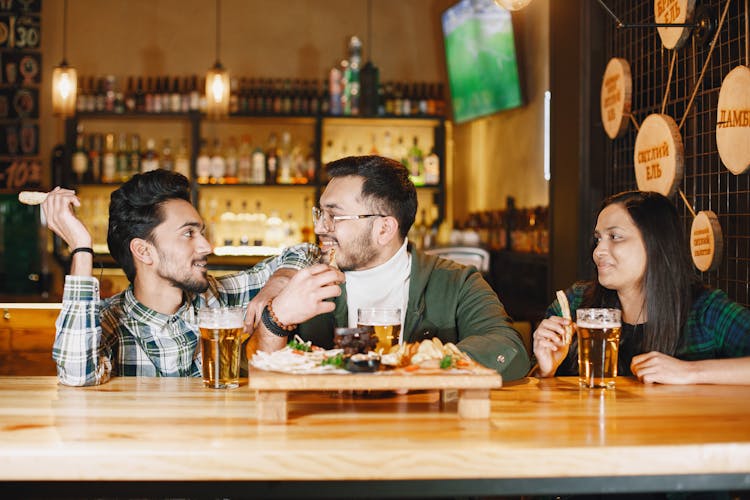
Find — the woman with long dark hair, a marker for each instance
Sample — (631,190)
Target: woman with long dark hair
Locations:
(674,329)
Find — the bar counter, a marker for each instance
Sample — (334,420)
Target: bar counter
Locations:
(172,436)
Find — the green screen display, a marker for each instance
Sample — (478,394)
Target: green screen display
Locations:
(481,59)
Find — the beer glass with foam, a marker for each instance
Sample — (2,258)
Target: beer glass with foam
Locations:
(598,344)
(221,340)
(386,321)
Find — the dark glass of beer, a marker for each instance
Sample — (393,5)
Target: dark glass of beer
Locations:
(598,344)
(385,321)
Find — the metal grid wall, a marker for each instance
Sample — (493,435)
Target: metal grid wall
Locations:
(707,184)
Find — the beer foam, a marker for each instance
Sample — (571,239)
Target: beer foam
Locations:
(597,324)
(218,318)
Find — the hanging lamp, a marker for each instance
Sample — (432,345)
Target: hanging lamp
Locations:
(217,80)
(64,78)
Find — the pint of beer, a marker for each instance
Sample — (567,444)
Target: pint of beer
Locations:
(386,321)
(598,343)
(221,336)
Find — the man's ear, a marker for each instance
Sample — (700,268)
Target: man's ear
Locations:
(387,228)
(142,251)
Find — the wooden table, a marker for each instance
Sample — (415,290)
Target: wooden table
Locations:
(172,437)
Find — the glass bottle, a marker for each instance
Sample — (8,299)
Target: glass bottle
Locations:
(80,161)
(122,158)
(203,164)
(150,158)
(167,158)
(182,159)
(218,167)
(109,162)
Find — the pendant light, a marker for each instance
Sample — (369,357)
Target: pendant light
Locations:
(64,79)
(513,4)
(217,80)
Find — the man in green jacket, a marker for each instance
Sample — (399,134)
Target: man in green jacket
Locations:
(365,213)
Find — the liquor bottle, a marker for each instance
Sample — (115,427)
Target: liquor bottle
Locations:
(157,96)
(166,95)
(274,236)
(185,95)
(234,99)
(432,168)
(352,80)
(272,158)
(416,164)
(194,95)
(130,96)
(148,96)
(258,224)
(83,92)
(135,154)
(79,161)
(307,232)
(140,96)
(218,164)
(95,156)
(387,149)
(167,158)
(227,223)
(258,166)
(182,159)
(291,231)
(109,163)
(244,162)
(122,158)
(109,93)
(175,100)
(232,167)
(400,152)
(334,91)
(284,173)
(150,158)
(243,224)
(311,163)
(203,164)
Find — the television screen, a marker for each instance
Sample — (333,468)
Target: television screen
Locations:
(480,55)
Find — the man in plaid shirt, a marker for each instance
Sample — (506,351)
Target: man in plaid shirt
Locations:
(156,236)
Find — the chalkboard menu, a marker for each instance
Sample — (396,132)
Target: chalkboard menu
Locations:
(20,77)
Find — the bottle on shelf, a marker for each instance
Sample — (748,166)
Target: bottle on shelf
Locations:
(258,166)
(272,158)
(416,163)
(274,236)
(167,157)
(231,175)
(79,160)
(203,164)
(284,172)
(244,161)
(307,233)
(243,225)
(109,162)
(150,158)
(227,226)
(96,144)
(122,158)
(258,226)
(218,167)
(432,168)
(135,154)
(182,159)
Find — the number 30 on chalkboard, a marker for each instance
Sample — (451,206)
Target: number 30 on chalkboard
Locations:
(19,32)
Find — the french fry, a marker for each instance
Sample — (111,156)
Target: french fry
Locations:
(565,306)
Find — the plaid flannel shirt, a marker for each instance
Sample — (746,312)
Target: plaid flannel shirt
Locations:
(119,336)
(716,328)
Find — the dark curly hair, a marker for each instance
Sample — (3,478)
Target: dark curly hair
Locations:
(386,186)
(135,210)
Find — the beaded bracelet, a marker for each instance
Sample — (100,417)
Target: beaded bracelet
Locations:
(272,323)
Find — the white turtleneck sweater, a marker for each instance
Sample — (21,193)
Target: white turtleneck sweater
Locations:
(386,285)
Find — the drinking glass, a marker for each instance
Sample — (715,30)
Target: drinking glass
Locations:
(598,344)
(221,339)
(386,321)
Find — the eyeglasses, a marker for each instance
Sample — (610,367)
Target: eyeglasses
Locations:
(329,221)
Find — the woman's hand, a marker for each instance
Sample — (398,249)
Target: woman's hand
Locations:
(550,348)
(656,367)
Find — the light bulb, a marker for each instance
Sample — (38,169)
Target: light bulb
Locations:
(513,4)
(217,88)
(65,86)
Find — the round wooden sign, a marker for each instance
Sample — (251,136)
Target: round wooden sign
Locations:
(658,155)
(617,89)
(706,241)
(733,120)
(673,11)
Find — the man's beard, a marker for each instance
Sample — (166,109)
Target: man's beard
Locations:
(188,284)
(360,253)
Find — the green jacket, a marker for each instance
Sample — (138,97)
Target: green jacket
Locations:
(451,302)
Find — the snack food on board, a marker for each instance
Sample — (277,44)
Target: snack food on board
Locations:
(32,197)
(565,306)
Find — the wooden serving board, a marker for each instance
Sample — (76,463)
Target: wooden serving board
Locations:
(473,388)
